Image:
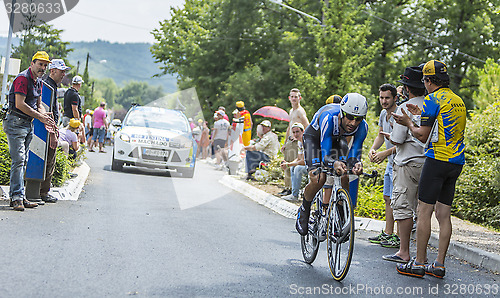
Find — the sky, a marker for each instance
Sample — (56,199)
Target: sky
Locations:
(110,20)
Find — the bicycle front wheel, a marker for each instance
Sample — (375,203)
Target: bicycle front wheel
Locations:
(340,234)
(310,242)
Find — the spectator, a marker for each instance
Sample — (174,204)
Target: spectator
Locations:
(205,139)
(408,163)
(72,101)
(220,136)
(298,166)
(24,105)
(224,115)
(442,127)
(100,126)
(333,99)
(68,138)
(57,70)
(289,148)
(263,150)
(87,120)
(387,97)
(191,123)
(247,123)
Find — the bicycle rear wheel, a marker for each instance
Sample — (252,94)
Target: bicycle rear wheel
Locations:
(340,243)
(310,242)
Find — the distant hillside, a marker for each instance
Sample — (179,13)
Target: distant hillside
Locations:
(120,61)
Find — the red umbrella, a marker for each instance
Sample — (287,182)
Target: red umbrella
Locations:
(273,112)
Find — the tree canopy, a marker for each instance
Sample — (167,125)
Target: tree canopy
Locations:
(257,51)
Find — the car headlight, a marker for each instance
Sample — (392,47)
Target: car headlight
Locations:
(124,137)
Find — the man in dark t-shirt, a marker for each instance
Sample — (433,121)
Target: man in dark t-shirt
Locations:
(72,101)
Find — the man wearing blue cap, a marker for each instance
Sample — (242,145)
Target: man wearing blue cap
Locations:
(57,70)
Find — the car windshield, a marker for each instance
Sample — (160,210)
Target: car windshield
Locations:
(159,119)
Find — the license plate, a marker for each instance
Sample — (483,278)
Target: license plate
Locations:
(155,153)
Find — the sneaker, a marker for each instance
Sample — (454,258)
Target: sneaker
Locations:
(411,269)
(302,221)
(49,198)
(285,192)
(379,238)
(290,198)
(434,270)
(392,242)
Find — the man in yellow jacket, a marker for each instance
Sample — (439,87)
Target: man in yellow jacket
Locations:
(247,123)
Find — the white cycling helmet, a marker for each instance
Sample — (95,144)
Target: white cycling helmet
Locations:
(354,104)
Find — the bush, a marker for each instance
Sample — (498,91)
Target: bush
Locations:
(62,168)
(4,158)
(370,202)
(478,187)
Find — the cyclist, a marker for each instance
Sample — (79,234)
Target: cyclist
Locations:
(326,135)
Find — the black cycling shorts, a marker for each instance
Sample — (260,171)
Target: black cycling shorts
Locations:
(312,148)
(437,181)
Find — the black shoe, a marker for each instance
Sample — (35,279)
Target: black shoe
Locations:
(250,177)
(411,269)
(302,221)
(49,199)
(285,192)
(36,200)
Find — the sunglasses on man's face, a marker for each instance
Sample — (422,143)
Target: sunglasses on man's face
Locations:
(424,80)
(352,117)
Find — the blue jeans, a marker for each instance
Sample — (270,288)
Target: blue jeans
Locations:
(19,134)
(99,134)
(253,158)
(296,175)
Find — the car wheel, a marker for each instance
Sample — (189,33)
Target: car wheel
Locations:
(115,164)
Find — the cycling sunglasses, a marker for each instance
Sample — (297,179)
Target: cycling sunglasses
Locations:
(352,117)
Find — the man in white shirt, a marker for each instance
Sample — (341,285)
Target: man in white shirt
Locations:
(220,136)
(408,163)
(264,150)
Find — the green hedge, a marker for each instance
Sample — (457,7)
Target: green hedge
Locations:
(478,187)
(63,165)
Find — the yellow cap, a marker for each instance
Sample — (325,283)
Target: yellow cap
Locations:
(240,104)
(74,123)
(436,68)
(41,55)
(334,99)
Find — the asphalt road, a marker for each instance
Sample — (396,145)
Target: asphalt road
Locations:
(140,232)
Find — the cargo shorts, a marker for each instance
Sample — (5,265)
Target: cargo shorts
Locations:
(404,198)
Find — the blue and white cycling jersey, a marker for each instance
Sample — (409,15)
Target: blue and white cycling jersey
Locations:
(326,124)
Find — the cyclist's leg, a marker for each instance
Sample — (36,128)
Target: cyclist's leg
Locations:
(312,154)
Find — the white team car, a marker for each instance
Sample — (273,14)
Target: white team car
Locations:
(155,138)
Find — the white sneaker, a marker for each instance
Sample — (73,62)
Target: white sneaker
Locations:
(290,198)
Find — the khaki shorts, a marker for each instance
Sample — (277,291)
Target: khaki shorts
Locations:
(404,198)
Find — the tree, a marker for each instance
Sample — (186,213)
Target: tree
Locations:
(138,92)
(40,38)
(207,42)
(345,58)
(461,33)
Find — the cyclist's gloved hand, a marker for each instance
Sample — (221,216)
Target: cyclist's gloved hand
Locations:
(358,168)
(340,168)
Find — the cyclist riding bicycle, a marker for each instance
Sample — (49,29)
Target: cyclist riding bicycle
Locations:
(327,135)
